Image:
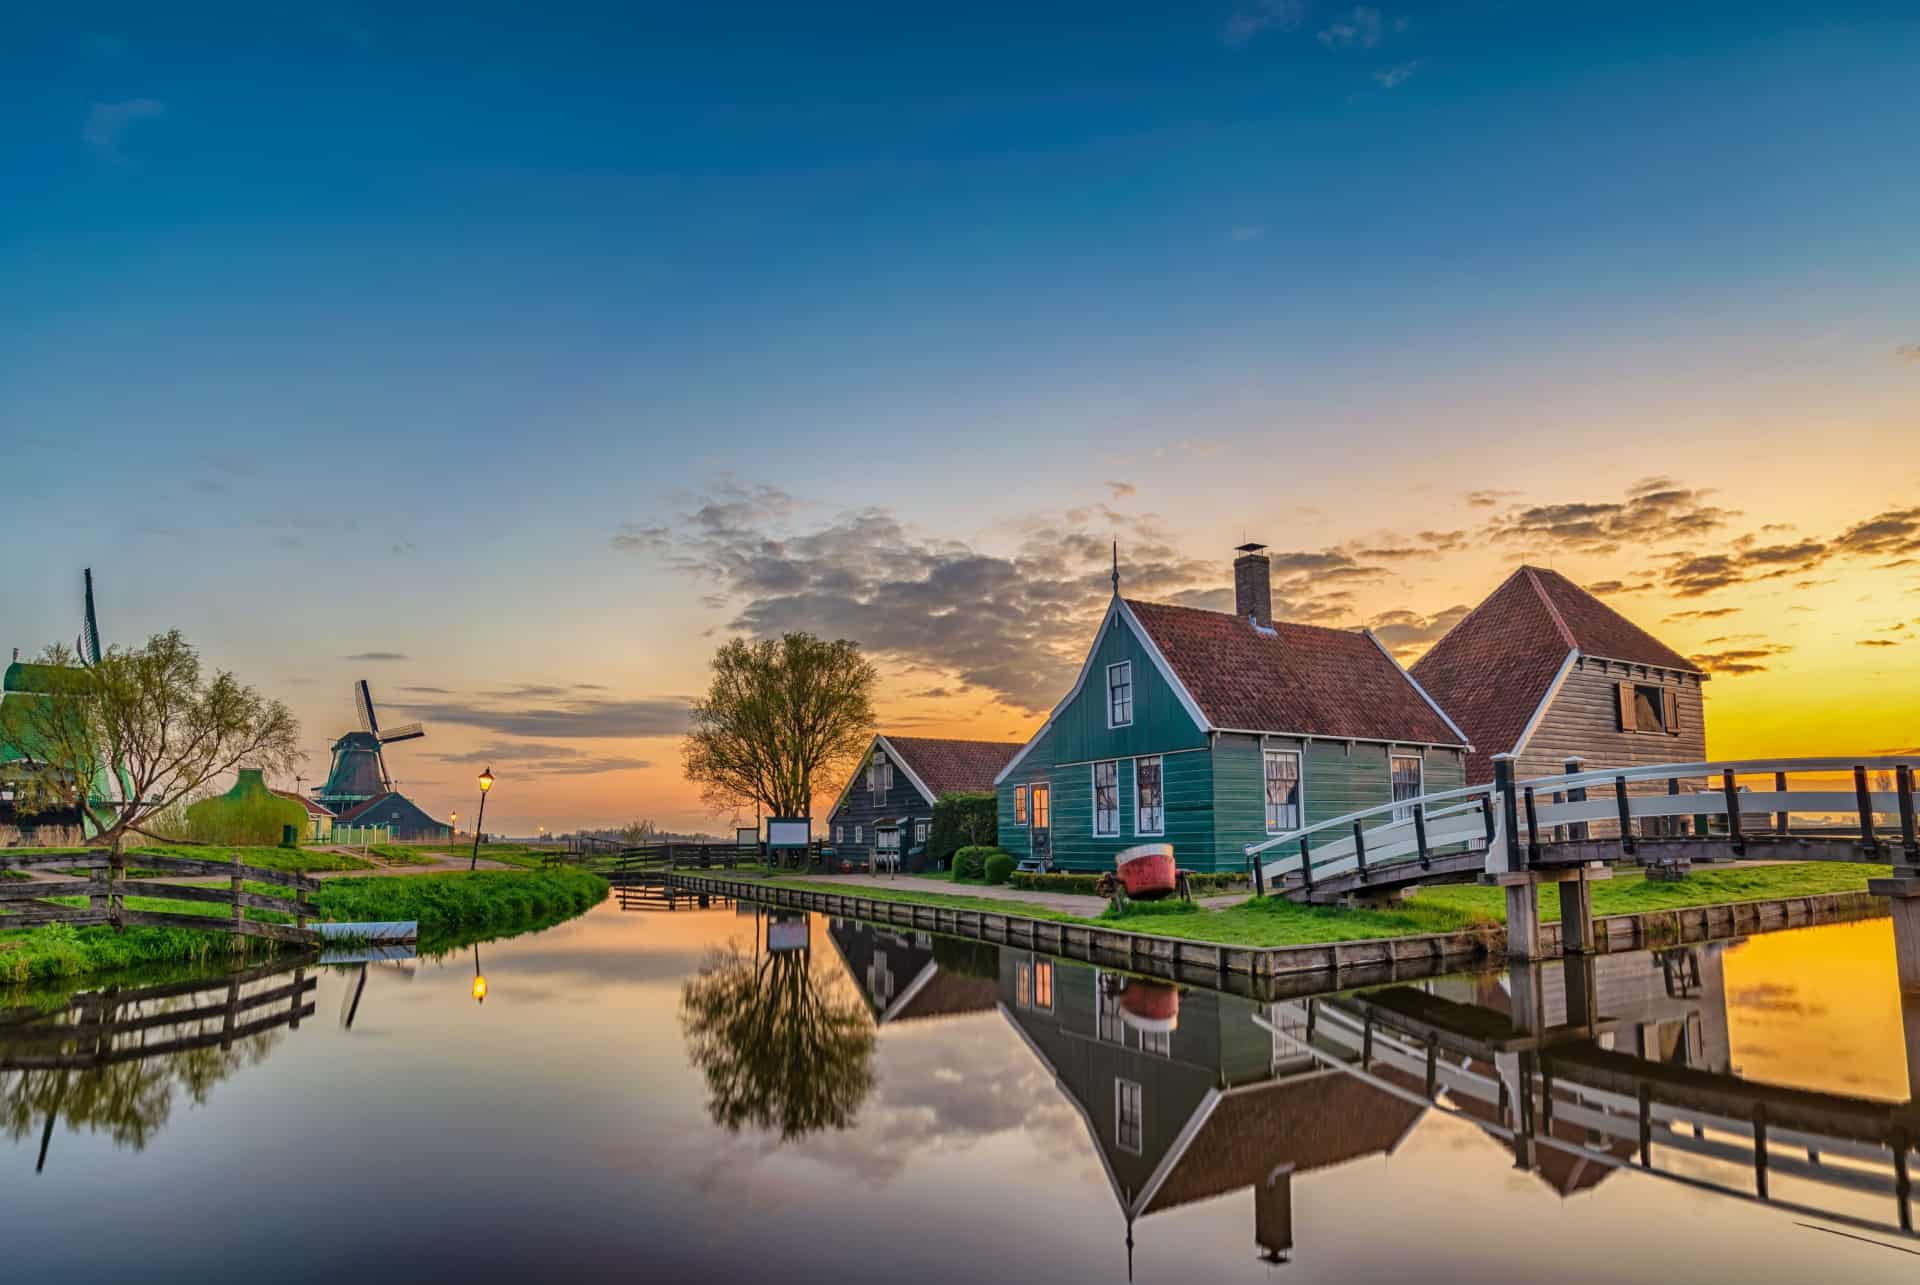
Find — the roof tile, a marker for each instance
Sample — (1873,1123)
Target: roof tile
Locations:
(947,765)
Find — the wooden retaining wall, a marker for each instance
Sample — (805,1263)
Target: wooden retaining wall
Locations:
(1263,971)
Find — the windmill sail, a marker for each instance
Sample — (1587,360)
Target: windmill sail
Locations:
(363,701)
(88,643)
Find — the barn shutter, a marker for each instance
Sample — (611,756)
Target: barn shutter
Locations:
(1624,700)
(1672,711)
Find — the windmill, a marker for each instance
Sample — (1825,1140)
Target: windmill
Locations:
(87,645)
(359,760)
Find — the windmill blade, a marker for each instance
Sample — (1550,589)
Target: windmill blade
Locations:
(363,698)
(88,644)
(405,732)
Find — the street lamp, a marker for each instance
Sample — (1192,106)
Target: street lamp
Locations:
(486,783)
(453,824)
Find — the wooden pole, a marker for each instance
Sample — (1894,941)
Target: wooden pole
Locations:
(1306,865)
(1509,806)
(1626,815)
(1533,831)
(1780,818)
(1869,843)
(1360,850)
(1732,793)
(1420,834)
(1909,842)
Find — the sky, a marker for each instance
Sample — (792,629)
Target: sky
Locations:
(512,359)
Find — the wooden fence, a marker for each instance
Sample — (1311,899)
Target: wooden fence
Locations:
(108,882)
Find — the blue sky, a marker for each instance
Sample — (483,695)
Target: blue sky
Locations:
(450,296)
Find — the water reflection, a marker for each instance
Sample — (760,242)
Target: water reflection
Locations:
(115,1060)
(784,1045)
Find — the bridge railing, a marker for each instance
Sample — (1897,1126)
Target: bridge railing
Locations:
(1717,798)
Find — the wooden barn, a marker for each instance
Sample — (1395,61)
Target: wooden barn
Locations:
(1545,671)
(886,807)
(408,822)
(1212,731)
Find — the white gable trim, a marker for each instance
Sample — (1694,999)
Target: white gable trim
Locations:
(893,756)
(852,777)
(900,760)
(1432,704)
(1117,607)
(1540,710)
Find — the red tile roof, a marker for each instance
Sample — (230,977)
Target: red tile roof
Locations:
(1301,679)
(1492,670)
(313,807)
(947,765)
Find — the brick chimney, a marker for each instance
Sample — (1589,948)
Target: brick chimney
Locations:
(1252,585)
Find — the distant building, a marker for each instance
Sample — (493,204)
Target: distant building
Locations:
(319,815)
(1211,731)
(886,806)
(1543,670)
(408,822)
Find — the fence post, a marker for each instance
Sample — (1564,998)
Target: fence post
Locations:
(1420,834)
(1732,793)
(1576,830)
(238,941)
(1360,850)
(1533,832)
(1626,815)
(1780,817)
(1509,807)
(1306,866)
(1259,875)
(1868,842)
(1903,783)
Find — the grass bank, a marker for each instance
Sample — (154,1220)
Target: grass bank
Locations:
(448,907)
(1276,921)
(295,860)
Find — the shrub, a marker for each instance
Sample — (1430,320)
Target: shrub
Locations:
(970,863)
(249,815)
(999,866)
(962,819)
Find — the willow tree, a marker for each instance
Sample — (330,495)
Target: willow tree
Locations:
(138,732)
(780,714)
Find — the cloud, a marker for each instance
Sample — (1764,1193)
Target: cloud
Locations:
(1892,533)
(1122,490)
(1359,27)
(1713,613)
(1908,352)
(1405,632)
(1878,642)
(1263,15)
(1398,74)
(108,123)
(537,759)
(555,715)
(1488,499)
(379,655)
(1741,660)
(1654,511)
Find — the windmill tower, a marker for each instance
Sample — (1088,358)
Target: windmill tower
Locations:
(359,768)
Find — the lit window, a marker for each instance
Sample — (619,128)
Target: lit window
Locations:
(1129,1118)
(1406,783)
(1042,808)
(1043,984)
(1283,791)
(1120,694)
(1023,985)
(1149,812)
(1106,797)
(1020,804)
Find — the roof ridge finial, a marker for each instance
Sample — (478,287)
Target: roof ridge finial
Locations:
(1116,568)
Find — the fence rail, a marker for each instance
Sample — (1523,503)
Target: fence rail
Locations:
(112,879)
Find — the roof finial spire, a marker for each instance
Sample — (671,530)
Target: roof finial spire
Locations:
(1116,568)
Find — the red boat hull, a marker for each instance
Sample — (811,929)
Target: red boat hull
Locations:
(1146,872)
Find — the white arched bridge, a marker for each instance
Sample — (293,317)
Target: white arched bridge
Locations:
(1565,829)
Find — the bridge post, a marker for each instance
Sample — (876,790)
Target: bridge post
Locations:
(1509,810)
(1903,892)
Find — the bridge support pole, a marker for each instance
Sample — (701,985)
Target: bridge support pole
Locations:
(1903,892)
(1524,935)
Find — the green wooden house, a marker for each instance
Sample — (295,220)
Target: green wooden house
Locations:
(1212,731)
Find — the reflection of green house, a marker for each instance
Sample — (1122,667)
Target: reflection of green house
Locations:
(27,694)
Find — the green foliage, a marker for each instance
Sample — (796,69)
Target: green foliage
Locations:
(249,813)
(967,958)
(999,866)
(962,819)
(970,863)
(445,904)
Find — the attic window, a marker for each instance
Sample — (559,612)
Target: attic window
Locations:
(1120,694)
(1649,707)
(879,773)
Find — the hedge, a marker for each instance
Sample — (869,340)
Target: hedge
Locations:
(970,863)
(962,819)
(999,867)
(1202,884)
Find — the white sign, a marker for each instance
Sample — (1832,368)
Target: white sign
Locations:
(788,934)
(746,836)
(789,834)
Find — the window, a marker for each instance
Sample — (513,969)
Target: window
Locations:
(1106,797)
(1020,805)
(1043,984)
(1406,783)
(838,834)
(886,839)
(920,832)
(1158,1043)
(1129,1120)
(1042,808)
(879,774)
(859,834)
(1649,707)
(1283,791)
(1023,985)
(1120,694)
(1149,815)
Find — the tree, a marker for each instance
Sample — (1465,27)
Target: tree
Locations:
(962,819)
(779,713)
(139,731)
(635,833)
(782,1047)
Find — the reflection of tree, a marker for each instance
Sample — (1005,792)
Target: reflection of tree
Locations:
(781,1046)
(129,1100)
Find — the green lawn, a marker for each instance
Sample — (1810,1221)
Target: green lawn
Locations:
(1276,921)
(299,860)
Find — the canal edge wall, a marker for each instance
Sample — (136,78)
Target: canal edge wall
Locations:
(1389,958)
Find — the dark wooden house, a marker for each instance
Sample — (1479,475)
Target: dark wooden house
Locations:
(1544,670)
(1211,731)
(886,807)
(407,819)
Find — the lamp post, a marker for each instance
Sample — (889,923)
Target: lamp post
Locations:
(453,824)
(486,783)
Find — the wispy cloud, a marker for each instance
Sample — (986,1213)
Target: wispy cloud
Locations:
(556,713)
(379,655)
(1360,27)
(1741,660)
(1408,632)
(1123,490)
(1263,15)
(108,123)
(534,758)
(1396,75)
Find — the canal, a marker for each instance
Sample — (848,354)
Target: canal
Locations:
(652,1094)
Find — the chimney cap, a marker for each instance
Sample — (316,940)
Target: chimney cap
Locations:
(1249,547)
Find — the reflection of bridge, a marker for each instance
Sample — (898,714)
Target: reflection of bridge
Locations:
(1561,829)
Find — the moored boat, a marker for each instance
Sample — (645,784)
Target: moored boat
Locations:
(1146,871)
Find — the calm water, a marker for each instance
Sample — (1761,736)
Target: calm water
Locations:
(888,1107)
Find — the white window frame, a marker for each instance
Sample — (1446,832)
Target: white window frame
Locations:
(1112,720)
(1159,826)
(921,828)
(1093,774)
(1019,805)
(858,834)
(880,774)
(1419,762)
(839,834)
(1122,1090)
(1299,786)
